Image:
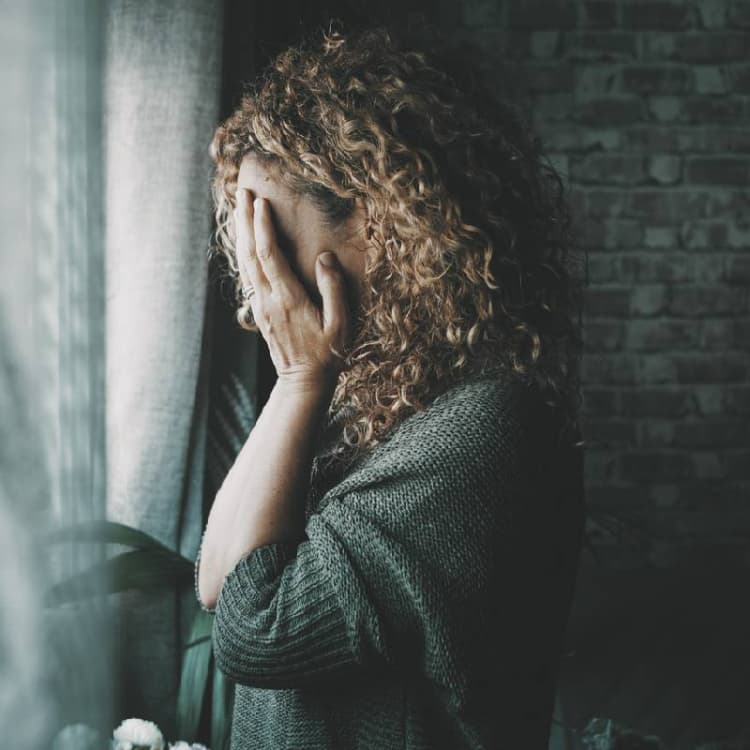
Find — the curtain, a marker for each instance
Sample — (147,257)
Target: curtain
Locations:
(52,443)
(161,104)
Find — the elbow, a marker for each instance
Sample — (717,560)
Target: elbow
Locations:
(205,590)
(207,601)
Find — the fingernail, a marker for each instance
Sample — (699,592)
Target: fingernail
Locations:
(327,259)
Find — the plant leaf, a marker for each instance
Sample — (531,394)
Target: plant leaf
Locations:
(142,569)
(194,676)
(110,532)
(221,710)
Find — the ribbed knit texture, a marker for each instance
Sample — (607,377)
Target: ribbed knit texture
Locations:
(426,607)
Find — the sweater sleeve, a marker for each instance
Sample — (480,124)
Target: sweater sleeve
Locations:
(393,570)
(294,614)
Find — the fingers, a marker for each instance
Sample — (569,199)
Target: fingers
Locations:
(333,292)
(250,270)
(273,263)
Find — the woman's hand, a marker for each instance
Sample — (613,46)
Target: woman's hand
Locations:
(304,341)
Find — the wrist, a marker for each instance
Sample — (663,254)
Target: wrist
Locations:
(316,388)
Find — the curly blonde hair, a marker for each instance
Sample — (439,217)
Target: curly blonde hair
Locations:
(467,220)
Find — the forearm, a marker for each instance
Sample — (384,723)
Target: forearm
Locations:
(262,497)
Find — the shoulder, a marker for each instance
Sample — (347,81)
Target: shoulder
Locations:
(479,411)
(468,428)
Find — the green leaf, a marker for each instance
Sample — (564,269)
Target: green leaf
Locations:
(142,569)
(221,710)
(194,677)
(110,532)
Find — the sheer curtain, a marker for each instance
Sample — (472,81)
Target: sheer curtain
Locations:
(162,88)
(108,110)
(52,442)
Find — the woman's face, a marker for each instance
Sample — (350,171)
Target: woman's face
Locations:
(303,233)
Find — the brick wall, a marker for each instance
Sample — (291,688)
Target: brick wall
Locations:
(644,106)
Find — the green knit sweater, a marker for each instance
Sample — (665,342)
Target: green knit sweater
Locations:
(426,606)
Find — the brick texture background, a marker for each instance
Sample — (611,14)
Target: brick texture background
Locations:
(644,107)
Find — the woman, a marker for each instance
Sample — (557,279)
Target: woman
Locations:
(391,557)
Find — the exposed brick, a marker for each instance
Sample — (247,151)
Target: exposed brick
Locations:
(695,300)
(739,79)
(655,267)
(671,206)
(610,111)
(663,495)
(612,234)
(741,338)
(718,170)
(604,203)
(710,527)
(649,299)
(603,268)
(600,463)
(708,465)
(708,400)
(736,399)
(678,138)
(553,107)
(718,333)
(657,79)
(603,336)
(704,235)
(711,110)
(545,44)
(655,402)
(659,335)
(597,80)
(607,301)
(712,13)
(709,79)
(737,270)
(607,169)
(708,268)
(739,235)
(737,464)
(718,140)
(665,169)
(738,13)
(656,368)
(598,14)
(572,138)
(643,112)
(725,367)
(599,45)
(656,14)
(650,138)
(608,369)
(542,14)
(666,108)
(656,433)
(660,237)
(654,466)
(549,77)
(708,433)
(696,46)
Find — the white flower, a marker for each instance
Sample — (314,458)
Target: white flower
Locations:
(182,745)
(137,733)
